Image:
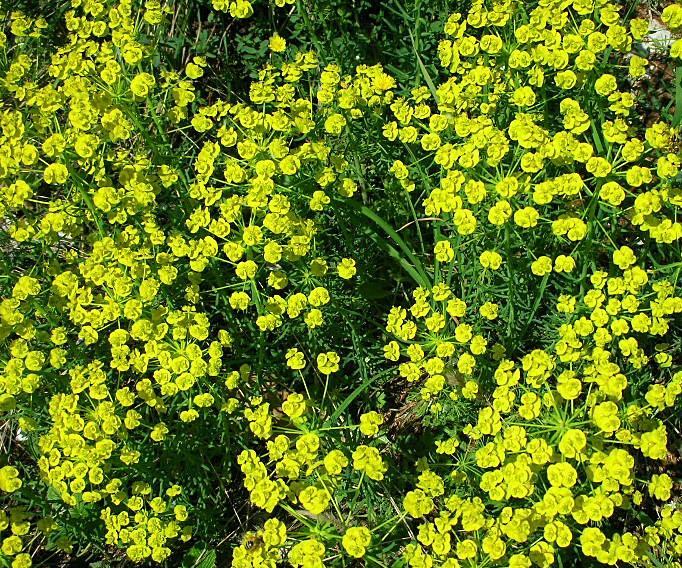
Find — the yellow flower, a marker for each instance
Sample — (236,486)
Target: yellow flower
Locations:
(55,174)
(346,268)
(562,474)
(564,263)
(335,461)
(660,486)
(541,266)
(368,460)
(295,359)
(277,43)
(314,500)
(526,217)
(334,124)
(356,540)
(9,479)
(489,310)
(572,443)
(294,406)
(490,259)
(443,251)
(417,503)
(605,85)
(624,257)
(672,16)
(307,554)
(523,97)
(328,362)
(141,84)
(605,416)
(370,422)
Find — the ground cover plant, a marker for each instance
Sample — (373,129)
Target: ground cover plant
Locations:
(337,283)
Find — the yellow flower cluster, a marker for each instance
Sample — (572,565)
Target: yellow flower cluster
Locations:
(561,443)
(537,148)
(181,278)
(444,348)
(241,9)
(96,332)
(503,157)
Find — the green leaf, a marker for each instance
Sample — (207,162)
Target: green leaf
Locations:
(199,556)
(351,397)
(424,71)
(408,260)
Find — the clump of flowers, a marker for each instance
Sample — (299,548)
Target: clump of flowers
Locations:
(441,347)
(196,347)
